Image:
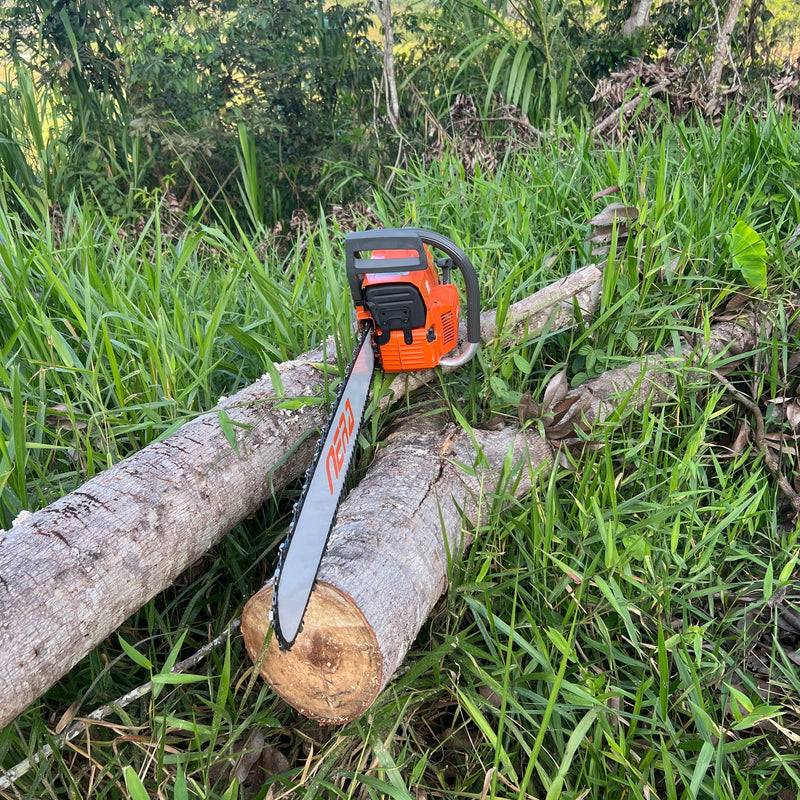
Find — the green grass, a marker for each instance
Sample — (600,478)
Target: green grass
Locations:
(588,645)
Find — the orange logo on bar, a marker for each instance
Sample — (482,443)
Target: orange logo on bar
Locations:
(334,461)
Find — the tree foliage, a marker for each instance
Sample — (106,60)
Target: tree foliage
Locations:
(267,105)
(179,79)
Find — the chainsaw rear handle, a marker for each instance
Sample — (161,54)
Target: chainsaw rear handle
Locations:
(413,239)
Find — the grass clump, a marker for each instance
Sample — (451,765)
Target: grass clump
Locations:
(625,631)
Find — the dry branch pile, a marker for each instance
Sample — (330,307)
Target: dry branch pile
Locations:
(627,92)
(466,130)
(664,80)
(786,87)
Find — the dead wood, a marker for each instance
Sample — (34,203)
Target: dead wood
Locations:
(771,459)
(72,572)
(653,379)
(663,79)
(387,560)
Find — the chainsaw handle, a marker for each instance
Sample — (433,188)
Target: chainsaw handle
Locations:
(392,239)
(413,239)
(460,260)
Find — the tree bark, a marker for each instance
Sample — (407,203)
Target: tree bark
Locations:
(389,554)
(383,10)
(388,561)
(639,18)
(722,50)
(72,572)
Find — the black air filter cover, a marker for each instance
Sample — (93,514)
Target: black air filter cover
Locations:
(395,307)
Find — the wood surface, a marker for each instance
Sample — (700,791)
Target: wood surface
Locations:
(388,560)
(399,531)
(72,572)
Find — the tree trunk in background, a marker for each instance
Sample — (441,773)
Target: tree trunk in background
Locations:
(754,14)
(72,572)
(639,18)
(722,50)
(383,9)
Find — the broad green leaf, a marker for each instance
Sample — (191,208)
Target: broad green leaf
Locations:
(768,581)
(172,658)
(181,790)
(701,767)
(169,663)
(749,254)
(575,740)
(226,424)
(522,363)
(637,547)
(398,789)
(134,785)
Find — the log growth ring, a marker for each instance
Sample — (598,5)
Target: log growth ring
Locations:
(334,670)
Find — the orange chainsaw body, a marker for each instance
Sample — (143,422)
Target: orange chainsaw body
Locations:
(415,315)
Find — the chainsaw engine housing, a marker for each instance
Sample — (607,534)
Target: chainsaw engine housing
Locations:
(409,299)
(414,313)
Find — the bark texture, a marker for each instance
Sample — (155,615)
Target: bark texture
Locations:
(387,562)
(722,49)
(383,10)
(387,559)
(72,572)
(639,18)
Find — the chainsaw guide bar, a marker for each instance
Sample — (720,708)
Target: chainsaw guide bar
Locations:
(407,310)
(300,555)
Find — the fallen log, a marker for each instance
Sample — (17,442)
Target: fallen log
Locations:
(652,379)
(386,564)
(72,572)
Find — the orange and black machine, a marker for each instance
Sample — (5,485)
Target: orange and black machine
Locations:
(409,298)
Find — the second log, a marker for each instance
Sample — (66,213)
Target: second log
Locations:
(388,562)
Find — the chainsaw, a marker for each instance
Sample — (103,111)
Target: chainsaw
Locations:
(407,311)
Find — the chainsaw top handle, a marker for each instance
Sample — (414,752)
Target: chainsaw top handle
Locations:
(413,239)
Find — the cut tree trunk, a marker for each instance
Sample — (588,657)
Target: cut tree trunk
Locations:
(72,572)
(387,561)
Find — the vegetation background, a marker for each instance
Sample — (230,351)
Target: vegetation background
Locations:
(177,179)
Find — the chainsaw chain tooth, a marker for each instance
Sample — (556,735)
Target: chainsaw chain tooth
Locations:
(297,508)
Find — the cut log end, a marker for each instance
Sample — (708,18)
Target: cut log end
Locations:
(335,668)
